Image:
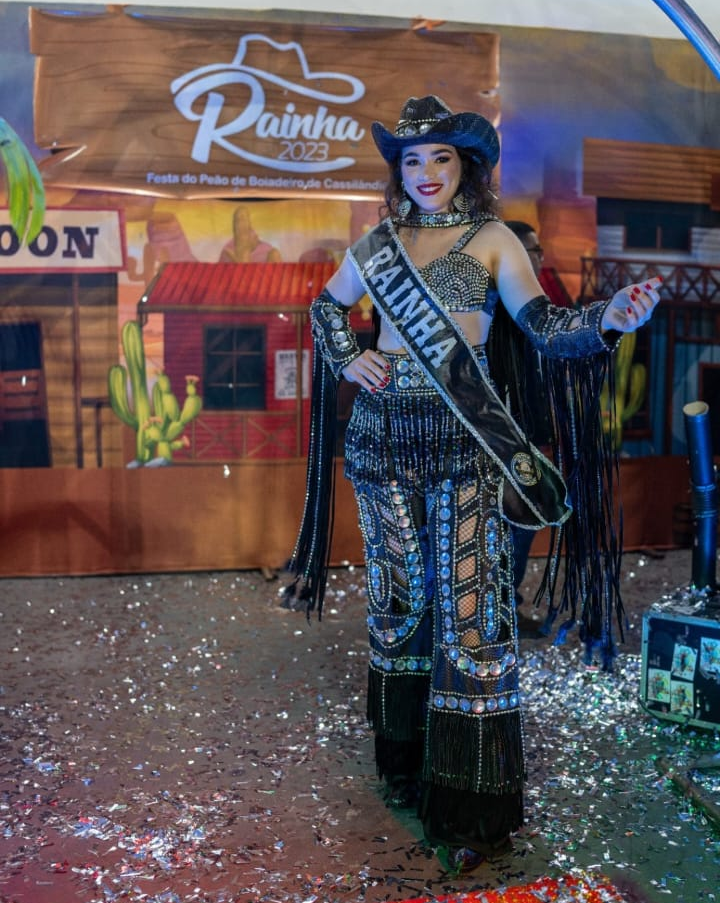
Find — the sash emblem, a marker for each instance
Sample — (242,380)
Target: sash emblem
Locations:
(523,469)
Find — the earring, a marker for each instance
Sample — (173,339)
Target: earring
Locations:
(404,205)
(461,203)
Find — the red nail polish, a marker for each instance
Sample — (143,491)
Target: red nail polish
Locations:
(628,310)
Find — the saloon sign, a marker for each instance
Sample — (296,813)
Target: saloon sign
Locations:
(72,240)
(186,108)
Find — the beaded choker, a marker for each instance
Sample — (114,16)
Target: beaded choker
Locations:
(436,220)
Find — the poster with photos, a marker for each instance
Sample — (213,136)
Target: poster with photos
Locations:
(680,677)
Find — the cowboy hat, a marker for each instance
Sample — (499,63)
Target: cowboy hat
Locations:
(428,120)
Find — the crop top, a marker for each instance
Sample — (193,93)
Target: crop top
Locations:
(460,282)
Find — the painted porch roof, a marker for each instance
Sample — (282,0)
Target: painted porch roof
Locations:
(221,286)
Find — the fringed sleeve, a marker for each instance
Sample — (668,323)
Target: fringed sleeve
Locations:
(309,560)
(334,347)
(591,539)
(582,575)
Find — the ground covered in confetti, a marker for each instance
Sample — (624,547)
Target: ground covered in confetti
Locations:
(178,738)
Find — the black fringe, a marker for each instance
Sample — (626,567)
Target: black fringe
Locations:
(396,704)
(477,754)
(399,761)
(508,353)
(428,442)
(462,818)
(592,537)
(587,588)
(310,558)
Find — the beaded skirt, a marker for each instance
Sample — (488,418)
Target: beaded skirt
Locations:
(443,659)
(407,433)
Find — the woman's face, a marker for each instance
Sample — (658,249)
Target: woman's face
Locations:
(431,175)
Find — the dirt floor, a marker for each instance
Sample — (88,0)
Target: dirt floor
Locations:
(183,737)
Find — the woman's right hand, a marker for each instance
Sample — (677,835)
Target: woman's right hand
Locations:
(632,306)
(369,370)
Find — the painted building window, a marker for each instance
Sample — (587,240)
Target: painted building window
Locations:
(665,232)
(23,417)
(235,367)
(655,225)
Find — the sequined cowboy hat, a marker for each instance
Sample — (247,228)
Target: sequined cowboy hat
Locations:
(428,120)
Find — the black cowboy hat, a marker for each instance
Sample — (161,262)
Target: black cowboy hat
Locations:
(428,120)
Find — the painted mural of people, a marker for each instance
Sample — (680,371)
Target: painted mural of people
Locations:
(166,241)
(246,246)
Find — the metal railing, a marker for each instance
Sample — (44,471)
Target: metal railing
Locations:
(685,283)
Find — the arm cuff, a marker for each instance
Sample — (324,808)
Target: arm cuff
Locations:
(334,338)
(564,332)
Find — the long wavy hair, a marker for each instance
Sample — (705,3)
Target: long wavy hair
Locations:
(476,184)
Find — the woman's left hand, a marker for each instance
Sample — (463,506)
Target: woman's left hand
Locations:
(632,306)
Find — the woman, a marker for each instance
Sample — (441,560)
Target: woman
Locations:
(441,470)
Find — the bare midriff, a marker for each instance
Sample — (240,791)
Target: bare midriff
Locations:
(475,327)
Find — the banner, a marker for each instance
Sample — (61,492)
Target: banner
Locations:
(210,108)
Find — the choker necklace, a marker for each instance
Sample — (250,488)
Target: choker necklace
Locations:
(436,220)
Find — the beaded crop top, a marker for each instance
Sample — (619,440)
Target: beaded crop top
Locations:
(460,282)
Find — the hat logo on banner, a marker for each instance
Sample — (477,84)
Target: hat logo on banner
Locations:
(302,138)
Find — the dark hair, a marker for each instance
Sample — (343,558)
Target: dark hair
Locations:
(511,358)
(475,183)
(519,227)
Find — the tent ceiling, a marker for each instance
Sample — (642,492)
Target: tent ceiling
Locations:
(611,16)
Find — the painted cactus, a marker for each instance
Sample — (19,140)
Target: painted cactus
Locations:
(158,425)
(630,387)
(25,189)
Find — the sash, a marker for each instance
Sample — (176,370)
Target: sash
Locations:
(534,494)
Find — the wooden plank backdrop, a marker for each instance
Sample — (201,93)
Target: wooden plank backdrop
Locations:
(639,171)
(104,98)
(203,517)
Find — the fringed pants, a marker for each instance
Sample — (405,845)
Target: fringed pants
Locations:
(443,671)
